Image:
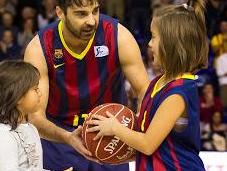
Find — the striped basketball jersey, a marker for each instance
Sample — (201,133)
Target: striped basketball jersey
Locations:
(179,150)
(80,82)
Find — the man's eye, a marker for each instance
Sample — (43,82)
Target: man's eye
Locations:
(96,11)
(81,14)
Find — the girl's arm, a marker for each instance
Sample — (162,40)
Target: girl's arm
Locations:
(161,125)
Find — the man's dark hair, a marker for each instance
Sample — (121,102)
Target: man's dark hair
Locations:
(64,4)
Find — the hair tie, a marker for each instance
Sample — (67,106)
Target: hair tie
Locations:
(187,7)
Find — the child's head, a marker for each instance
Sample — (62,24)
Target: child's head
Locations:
(16,80)
(180,43)
(208,89)
(216,118)
(223,25)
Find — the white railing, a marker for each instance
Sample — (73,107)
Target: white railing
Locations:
(213,161)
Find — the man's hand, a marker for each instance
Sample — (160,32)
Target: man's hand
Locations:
(76,142)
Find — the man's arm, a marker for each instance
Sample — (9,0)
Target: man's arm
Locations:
(47,129)
(131,62)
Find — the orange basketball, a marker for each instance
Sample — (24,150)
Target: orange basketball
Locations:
(110,149)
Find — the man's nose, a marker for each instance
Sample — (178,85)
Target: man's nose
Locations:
(90,20)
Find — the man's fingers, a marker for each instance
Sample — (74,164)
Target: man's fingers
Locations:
(93,129)
(99,117)
(78,131)
(85,151)
(93,159)
(93,122)
(97,136)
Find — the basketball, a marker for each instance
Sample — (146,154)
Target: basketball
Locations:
(110,149)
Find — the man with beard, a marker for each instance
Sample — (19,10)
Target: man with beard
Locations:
(81,59)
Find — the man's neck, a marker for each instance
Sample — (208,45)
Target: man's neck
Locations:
(75,44)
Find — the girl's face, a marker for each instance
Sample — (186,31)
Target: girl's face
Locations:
(29,103)
(153,45)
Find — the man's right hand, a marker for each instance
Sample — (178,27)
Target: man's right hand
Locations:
(76,142)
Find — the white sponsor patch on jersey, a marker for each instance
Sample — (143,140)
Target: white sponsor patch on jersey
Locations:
(101,51)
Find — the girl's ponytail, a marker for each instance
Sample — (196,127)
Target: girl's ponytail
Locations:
(199,7)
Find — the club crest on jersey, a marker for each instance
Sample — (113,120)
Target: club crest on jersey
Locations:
(58,58)
(58,53)
(101,51)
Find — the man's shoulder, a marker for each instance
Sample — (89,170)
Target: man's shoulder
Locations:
(107,18)
(51,26)
(106,25)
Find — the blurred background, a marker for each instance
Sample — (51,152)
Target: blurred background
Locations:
(21,19)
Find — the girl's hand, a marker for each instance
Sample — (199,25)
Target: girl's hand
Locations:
(103,124)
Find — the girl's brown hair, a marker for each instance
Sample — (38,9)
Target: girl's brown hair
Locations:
(16,78)
(183,43)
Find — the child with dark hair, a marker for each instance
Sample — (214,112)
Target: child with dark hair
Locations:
(169,131)
(209,103)
(214,134)
(20,143)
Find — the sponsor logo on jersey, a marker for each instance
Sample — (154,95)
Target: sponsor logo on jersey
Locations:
(101,51)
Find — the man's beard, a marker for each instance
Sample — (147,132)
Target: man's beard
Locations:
(70,28)
(79,33)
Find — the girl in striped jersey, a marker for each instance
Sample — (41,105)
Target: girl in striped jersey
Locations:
(169,135)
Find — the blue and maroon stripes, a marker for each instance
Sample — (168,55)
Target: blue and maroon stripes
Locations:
(147,99)
(71,88)
(77,86)
(47,39)
(93,77)
(178,151)
(173,154)
(159,161)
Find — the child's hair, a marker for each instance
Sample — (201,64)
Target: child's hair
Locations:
(16,78)
(183,43)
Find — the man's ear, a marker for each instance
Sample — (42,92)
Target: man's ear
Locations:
(60,13)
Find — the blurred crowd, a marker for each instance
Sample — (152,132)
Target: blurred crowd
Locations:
(21,19)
